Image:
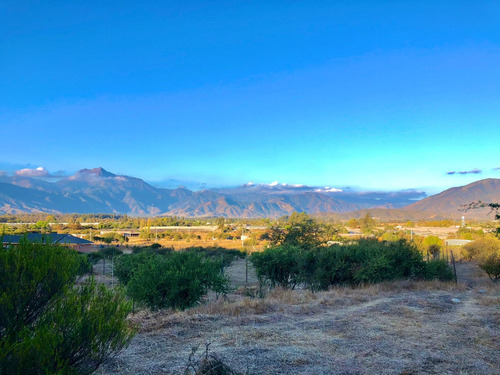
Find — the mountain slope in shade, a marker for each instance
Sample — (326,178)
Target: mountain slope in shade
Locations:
(97,190)
(451,202)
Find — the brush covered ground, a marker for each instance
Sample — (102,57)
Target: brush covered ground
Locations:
(390,328)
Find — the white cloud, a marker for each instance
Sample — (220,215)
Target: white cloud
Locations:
(37,172)
(328,189)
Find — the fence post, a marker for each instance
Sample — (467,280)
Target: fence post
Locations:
(454,268)
(246,268)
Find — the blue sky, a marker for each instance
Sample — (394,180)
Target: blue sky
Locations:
(375,94)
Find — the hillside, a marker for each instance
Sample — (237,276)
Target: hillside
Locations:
(99,191)
(451,202)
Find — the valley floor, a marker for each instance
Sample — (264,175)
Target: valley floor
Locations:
(391,328)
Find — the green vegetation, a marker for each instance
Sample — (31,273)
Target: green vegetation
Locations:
(487,252)
(280,266)
(177,280)
(491,265)
(49,326)
(366,261)
(300,229)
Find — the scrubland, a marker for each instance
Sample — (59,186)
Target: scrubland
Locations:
(401,327)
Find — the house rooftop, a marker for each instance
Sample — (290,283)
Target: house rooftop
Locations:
(54,238)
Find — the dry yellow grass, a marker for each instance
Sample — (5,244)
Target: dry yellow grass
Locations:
(389,328)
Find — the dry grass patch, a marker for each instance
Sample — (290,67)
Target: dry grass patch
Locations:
(390,328)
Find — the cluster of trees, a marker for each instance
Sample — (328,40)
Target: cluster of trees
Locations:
(298,255)
(110,238)
(116,221)
(48,325)
(168,235)
(365,261)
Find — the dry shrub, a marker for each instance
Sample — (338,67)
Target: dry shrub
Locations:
(208,364)
(237,308)
(147,321)
(412,286)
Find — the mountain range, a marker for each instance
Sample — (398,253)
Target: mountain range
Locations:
(99,191)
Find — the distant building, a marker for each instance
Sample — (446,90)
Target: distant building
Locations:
(78,244)
(455,242)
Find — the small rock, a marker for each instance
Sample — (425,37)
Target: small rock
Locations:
(455,300)
(482,291)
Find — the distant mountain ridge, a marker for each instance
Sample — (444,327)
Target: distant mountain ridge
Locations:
(452,202)
(99,191)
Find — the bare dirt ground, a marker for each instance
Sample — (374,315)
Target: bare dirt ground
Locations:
(391,328)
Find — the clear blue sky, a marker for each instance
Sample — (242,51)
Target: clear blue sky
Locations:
(375,94)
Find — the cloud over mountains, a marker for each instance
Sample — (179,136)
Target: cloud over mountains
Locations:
(473,171)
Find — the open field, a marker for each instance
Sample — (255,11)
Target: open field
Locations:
(390,328)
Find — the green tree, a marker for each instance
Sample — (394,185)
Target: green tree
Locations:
(221,223)
(43,226)
(367,223)
(300,230)
(432,245)
(47,325)
(353,223)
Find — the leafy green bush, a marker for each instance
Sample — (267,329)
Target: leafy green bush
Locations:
(280,266)
(386,261)
(367,261)
(178,280)
(46,324)
(226,256)
(127,265)
(438,269)
(329,266)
